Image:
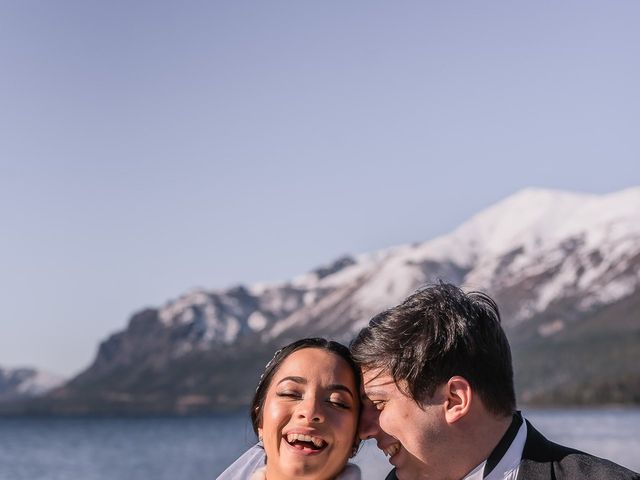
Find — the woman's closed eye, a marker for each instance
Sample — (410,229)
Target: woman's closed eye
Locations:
(340,400)
(289,394)
(336,401)
(340,403)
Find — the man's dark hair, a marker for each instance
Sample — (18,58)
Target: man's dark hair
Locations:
(436,333)
(257,404)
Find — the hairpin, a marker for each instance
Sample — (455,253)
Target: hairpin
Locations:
(266,367)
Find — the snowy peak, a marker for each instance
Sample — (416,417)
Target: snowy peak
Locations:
(575,241)
(531,216)
(535,219)
(535,216)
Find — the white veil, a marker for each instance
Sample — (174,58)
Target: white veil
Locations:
(253,459)
(243,467)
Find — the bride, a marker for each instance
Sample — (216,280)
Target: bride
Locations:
(305,413)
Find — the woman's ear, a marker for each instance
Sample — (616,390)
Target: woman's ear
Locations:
(258,415)
(459,396)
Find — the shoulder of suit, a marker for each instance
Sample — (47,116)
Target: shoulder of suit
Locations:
(584,465)
(570,463)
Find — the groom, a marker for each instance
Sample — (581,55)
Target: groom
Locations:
(439,396)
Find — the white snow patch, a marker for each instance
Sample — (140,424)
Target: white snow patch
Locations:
(551,328)
(198,297)
(310,297)
(390,285)
(259,288)
(232,330)
(562,282)
(306,280)
(257,321)
(173,310)
(187,316)
(210,314)
(38,383)
(165,315)
(609,293)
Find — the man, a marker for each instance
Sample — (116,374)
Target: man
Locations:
(439,396)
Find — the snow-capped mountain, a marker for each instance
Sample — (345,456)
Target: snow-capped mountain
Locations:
(26,383)
(557,263)
(564,245)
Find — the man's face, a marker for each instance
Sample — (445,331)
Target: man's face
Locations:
(411,435)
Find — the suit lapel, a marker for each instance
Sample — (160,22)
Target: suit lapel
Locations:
(537,457)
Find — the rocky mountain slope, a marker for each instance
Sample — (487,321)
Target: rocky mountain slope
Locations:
(564,268)
(20,383)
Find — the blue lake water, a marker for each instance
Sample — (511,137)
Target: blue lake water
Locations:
(199,448)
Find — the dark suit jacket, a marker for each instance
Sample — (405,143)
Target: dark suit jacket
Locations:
(545,460)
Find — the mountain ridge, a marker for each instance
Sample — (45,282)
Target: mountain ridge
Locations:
(553,261)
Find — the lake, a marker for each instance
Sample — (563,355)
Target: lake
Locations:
(199,448)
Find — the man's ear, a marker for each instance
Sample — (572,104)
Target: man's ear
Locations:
(459,396)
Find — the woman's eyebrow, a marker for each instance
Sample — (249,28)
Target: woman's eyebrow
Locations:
(300,380)
(340,387)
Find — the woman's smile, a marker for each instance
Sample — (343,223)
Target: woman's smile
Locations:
(306,442)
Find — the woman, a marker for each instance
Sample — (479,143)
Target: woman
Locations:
(305,413)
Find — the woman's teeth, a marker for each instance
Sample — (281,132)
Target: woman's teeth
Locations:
(293,437)
(392,450)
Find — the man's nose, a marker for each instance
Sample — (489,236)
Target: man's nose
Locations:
(369,426)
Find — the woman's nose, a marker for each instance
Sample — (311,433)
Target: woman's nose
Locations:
(311,409)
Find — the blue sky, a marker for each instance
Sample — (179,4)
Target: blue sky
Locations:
(147,148)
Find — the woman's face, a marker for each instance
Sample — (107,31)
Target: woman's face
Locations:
(310,416)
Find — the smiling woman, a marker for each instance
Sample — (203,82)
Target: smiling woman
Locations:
(305,413)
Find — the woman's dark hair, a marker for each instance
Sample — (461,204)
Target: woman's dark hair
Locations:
(257,404)
(437,333)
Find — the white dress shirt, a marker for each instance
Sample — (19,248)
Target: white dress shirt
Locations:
(507,467)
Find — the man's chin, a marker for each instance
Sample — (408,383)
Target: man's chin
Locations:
(405,468)
(405,474)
